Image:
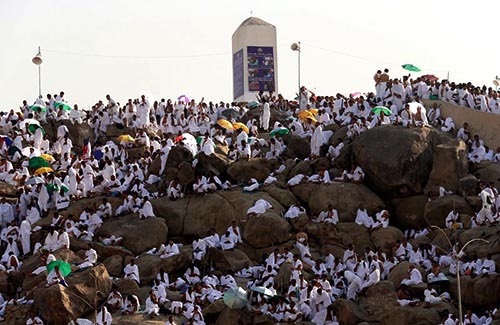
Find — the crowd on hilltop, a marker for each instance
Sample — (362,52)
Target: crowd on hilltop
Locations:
(103,167)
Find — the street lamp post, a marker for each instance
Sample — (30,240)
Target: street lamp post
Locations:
(296,47)
(455,257)
(37,60)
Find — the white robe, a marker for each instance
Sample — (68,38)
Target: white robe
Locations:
(132,272)
(261,206)
(317,141)
(25,234)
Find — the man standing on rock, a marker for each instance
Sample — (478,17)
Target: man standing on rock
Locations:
(487,200)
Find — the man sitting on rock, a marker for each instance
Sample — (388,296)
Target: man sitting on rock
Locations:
(131,271)
(414,276)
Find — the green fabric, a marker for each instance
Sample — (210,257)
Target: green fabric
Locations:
(38,162)
(64,268)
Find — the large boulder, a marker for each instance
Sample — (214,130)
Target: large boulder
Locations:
(215,163)
(489,173)
(114,265)
(77,132)
(7,190)
(479,291)
(398,161)
(385,238)
(379,300)
(150,265)
(300,147)
(468,186)
(233,316)
(345,197)
(409,211)
(195,215)
(87,288)
(348,312)
(449,165)
(17,314)
(284,197)
(177,155)
(266,230)
(243,170)
(230,260)
(438,209)
(138,235)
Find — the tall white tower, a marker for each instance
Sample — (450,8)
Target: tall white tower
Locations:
(255,64)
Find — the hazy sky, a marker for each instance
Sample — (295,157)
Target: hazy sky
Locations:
(168,48)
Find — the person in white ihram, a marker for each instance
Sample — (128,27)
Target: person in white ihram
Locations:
(265,117)
(487,199)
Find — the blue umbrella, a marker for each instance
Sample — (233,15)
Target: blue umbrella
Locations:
(98,154)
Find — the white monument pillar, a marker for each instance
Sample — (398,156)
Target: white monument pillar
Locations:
(255,64)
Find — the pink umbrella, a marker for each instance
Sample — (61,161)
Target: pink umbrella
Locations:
(355,95)
(184,98)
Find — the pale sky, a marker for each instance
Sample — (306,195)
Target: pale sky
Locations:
(169,48)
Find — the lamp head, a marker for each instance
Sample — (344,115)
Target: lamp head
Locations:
(295,47)
(37,60)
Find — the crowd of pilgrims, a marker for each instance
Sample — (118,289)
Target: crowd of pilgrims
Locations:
(310,294)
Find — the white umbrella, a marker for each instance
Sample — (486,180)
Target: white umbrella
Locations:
(265,291)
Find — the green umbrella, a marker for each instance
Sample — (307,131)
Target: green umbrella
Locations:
(410,67)
(62,105)
(38,162)
(235,298)
(37,108)
(280,131)
(382,109)
(64,268)
(32,128)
